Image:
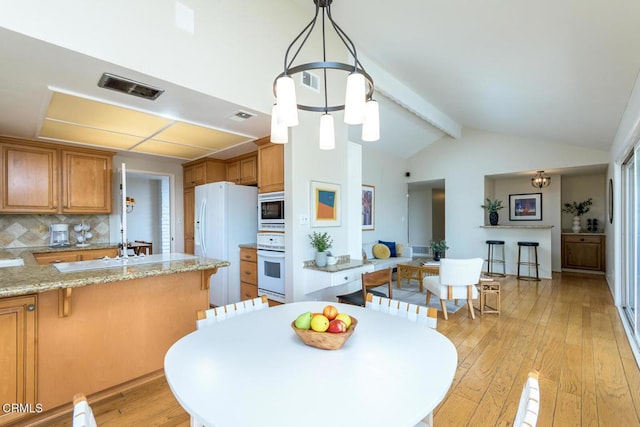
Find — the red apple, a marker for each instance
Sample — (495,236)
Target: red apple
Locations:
(337,326)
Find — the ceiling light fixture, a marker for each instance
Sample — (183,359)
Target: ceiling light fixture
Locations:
(359,106)
(540,180)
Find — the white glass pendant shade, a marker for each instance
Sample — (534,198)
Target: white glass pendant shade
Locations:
(354,99)
(279,133)
(286,100)
(371,125)
(327,133)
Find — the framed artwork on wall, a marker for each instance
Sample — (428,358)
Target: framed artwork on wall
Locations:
(525,207)
(368,207)
(325,204)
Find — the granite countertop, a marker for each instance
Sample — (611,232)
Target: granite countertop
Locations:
(311,265)
(33,278)
(586,233)
(248,245)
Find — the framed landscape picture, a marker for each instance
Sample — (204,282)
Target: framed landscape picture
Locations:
(325,204)
(525,207)
(368,207)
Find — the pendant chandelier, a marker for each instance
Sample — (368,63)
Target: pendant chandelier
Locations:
(540,180)
(359,106)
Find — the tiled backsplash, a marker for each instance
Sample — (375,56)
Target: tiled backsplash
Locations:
(19,231)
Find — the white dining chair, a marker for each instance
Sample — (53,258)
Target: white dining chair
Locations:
(529,406)
(411,312)
(457,280)
(82,413)
(218,314)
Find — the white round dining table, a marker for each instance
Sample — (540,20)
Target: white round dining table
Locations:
(253,370)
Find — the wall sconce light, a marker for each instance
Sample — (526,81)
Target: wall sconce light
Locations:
(131,203)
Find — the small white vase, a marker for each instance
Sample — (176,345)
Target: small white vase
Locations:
(576,224)
(321,259)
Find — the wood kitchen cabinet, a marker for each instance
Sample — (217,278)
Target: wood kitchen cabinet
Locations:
(53,178)
(270,166)
(189,218)
(29,178)
(86,182)
(203,171)
(248,274)
(583,252)
(243,170)
(18,355)
(44,258)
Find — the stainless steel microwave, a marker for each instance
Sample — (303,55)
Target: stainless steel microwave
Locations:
(271,211)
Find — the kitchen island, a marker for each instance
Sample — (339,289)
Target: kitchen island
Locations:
(92,331)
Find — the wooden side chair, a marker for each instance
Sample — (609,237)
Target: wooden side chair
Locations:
(457,280)
(82,413)
(218,314)
(411,312)
(370,280)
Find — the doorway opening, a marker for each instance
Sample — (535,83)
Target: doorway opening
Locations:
(150,219)
(426,218)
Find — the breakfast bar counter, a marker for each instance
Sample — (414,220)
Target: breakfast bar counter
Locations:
(93,326)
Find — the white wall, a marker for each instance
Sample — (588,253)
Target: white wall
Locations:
(143,223)
(387,174)
(464,163)
(578,188)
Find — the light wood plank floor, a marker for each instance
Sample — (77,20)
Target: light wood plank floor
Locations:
(566,328)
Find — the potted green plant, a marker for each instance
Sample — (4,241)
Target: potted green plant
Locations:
(438,249)
(321,242)
(493,206)
(577,210)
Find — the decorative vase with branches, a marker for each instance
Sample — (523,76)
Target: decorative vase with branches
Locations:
(438,249)
(493,206)
(577,210)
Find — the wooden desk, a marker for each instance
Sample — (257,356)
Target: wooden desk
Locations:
(415,270)
(139,247)
(229,374)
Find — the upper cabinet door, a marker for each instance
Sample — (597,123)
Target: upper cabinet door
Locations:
(86,182)
(29,179)
(270,168)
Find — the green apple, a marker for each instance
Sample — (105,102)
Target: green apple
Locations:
(304,320)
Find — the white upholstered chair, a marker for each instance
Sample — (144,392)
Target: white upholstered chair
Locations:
(82,413)
(457,280)
(218,314)
(529,406)
(411,312)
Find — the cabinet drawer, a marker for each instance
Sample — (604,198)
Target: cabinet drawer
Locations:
(90,254)
(248,291)
(249,272)
(56,257)
(582,239)
(247,254)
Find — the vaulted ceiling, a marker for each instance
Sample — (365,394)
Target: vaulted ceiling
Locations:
(561,71)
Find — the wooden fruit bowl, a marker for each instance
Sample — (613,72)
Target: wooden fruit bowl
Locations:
(325,340)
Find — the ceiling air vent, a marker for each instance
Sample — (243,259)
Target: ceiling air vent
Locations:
(131,87)
(241,116)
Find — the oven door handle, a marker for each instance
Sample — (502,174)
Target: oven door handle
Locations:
(270,254)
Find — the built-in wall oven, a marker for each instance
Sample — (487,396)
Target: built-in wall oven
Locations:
(271,265)
(271,211)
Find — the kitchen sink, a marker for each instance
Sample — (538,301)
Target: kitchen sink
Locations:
(11,262)
(98,264)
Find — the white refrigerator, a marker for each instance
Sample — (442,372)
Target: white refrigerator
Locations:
(226,215)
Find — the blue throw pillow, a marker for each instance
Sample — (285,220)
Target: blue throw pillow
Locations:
(391,246)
